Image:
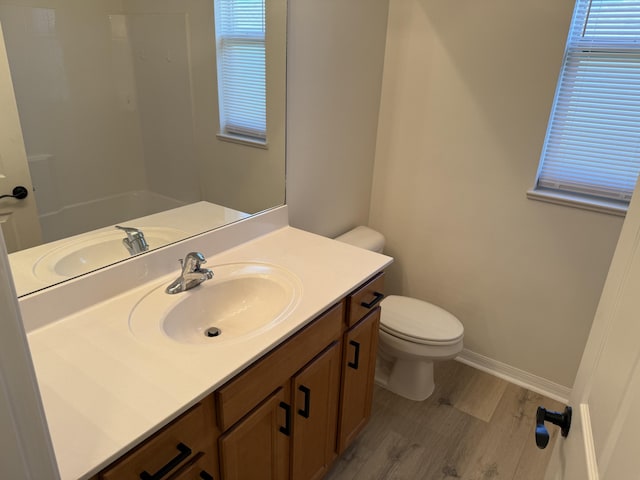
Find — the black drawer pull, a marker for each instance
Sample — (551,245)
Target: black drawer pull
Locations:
(356,355)
(205,476)
(173,463)
(307,401)
(287,418)
(377,297)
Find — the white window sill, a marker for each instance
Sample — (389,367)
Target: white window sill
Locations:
(250,142)
(610,207)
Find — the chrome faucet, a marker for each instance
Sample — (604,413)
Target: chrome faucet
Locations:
(192,274)
(135,242)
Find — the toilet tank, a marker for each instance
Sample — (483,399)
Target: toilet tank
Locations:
(363,237)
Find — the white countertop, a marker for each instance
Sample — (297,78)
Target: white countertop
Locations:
(104,390)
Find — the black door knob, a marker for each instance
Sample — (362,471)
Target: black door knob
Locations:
(18,192)
(563,420)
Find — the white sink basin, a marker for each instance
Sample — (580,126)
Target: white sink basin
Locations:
(94,251)
(242,299)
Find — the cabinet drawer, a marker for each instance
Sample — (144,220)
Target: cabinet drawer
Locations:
(365,299)
(237,397)
(178,444)
(195,470)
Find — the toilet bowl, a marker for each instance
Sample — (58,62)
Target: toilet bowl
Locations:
(413,334)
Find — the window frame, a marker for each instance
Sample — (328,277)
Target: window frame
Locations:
(242,111)
(588,41)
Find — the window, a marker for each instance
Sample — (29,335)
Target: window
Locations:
(240,44)
(592,147)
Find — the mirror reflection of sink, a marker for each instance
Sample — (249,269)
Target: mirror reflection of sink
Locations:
(242,299)
(93,251)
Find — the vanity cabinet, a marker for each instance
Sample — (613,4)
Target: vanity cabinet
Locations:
(185,449)
(292,433)
(315,398)
(258,447)
(360,348)
(358,370)
(298,420)
(285,417)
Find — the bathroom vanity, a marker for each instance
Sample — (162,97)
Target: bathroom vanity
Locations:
(281,401)
(293,410)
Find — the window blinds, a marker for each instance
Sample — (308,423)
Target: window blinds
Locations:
(240,37)
(592,145)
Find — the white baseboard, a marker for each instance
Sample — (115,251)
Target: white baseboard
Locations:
(515,375)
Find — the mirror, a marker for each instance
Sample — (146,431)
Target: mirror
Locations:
(118,107)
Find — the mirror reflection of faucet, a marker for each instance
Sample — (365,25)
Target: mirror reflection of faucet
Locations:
(135,242)
(192,273)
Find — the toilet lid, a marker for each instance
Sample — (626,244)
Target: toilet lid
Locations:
(419,322)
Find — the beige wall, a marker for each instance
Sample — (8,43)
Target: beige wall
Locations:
(465,100)
(334,73)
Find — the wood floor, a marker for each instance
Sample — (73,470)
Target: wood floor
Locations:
(474,427)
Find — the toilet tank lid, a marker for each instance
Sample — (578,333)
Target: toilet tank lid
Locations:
(363,237)
(420,320)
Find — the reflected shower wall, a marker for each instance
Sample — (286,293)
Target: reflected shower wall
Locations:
(59,220)
(105,106)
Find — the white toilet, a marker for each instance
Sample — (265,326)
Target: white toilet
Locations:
(413,334)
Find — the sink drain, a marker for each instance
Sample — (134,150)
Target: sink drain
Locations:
(212,332)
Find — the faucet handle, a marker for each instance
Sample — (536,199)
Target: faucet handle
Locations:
(196,256)
(192,275)
(192,262)
(131,232)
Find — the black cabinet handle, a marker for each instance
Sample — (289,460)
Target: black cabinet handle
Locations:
(287,418)
(307,401)
(205,476)
(184,452)
(377,297)
(356,355)
(19,193)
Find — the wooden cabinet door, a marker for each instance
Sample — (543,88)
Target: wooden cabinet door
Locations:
(316,396)
(358,370)
(258,446)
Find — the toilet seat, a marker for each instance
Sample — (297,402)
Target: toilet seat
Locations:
(419,322)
